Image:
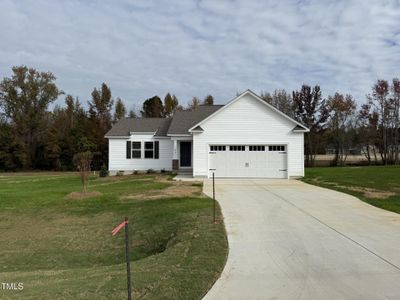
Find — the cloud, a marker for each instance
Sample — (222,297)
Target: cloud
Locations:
(193,48)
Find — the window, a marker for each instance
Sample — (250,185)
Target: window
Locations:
(151,150)
(276,148)
(136,150)
(237,148)
(148,150)
(217,148)
(256,148)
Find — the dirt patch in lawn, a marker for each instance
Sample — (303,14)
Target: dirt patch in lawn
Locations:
(177,189)
(82,195)
(368,192)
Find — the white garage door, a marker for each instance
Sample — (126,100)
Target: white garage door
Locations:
(263,161)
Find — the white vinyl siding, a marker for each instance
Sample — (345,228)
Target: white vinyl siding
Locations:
(118,160)
(248,122)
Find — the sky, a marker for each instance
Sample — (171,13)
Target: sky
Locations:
(199,47)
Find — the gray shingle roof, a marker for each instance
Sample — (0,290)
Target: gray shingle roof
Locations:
(184,120)
(180,123)
(124,126)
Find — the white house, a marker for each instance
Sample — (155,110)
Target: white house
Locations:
(247,137)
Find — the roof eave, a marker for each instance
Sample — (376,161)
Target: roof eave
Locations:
(116,137)
(178,134)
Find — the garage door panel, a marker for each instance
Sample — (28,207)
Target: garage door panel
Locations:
(265,164)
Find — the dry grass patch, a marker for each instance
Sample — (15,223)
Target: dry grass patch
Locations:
(370,193)
(82,195)
(177,189)
(367,192)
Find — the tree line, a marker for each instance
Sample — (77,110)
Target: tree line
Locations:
(34,137)
(336,122)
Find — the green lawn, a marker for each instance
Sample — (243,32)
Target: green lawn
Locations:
(63,249)
(377,185)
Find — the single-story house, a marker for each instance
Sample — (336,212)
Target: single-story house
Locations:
(247,137)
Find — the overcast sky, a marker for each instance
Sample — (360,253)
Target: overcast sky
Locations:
(193,48)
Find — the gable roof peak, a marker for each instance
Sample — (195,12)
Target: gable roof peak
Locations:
(257,97)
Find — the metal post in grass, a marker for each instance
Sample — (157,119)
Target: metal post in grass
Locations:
(128,261)
(214,197)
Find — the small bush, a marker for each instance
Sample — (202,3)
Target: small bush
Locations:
(150,171)
(103,171)
(135,172)
(120,173)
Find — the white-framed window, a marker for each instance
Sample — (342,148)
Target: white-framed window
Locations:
(136,149)
(256,148)
(276,148)
(217,148)
(151,150)
(148,149)
(237,148)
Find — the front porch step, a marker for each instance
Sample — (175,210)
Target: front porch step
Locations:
(185,171)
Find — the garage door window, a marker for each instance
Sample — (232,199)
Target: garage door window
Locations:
(276,148)
(217,148)
(237,148)
(256,148)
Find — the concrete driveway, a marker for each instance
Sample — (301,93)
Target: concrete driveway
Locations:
(291,240)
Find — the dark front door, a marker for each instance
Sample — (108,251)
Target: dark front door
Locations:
(186,154)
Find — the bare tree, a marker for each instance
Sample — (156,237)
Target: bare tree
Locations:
(194,103)
(341,109)
(385,99)
(82,161)
(280,99)
(367,126)
(379,99)
(395,104)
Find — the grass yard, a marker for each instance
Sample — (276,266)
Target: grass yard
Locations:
(62,248)
(376,185)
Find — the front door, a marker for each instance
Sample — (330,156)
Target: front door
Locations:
(186,154)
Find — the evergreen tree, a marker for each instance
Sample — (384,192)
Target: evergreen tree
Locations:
(208,100)
(310,109)
(171,104)
(120,110)
(100,108)
(152,108)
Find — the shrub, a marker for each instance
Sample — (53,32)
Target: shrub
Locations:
(120,173)
(103,171)
(150,171)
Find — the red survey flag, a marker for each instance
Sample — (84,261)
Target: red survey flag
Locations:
(119,227)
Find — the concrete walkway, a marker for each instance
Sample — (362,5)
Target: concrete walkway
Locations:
(290,240)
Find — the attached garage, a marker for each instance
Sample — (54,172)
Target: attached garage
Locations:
(251,161)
